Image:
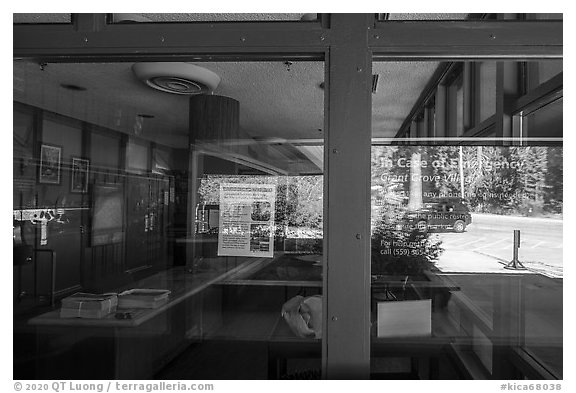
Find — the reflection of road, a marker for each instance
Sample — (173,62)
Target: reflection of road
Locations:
(490,238)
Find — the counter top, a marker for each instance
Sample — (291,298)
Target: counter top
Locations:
(178,280)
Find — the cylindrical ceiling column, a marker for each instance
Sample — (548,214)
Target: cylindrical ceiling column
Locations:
(214,119)
(213,128)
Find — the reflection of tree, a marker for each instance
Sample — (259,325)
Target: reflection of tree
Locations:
(260,231)
(488,186)
(415,201)
(524,189)
(308,207)
(209,190)
(299,199)
(553,193)
(445,157)
(533,176)
(405,252)
(390,181)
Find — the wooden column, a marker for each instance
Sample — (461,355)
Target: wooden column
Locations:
(346,343)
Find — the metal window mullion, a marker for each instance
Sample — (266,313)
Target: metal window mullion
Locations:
(426,127)
(150,39)
(468,39)
(476,96)
(451,111)
(413,129)
(440,111)
(468,86)
(507,91)
(541,95)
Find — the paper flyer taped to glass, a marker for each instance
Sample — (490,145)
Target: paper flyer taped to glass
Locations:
(246,220)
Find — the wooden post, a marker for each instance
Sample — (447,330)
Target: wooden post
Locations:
(346,344)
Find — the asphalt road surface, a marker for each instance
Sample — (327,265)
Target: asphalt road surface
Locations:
(490,238)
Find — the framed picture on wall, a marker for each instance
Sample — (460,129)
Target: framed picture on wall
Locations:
(49,170)
(79,175)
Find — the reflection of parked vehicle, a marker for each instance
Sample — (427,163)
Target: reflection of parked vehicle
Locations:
(441,215)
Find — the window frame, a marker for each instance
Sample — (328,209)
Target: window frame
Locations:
(346,42)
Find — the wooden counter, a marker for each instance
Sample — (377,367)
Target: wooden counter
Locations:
(135,348)
(179,281)
(139,347)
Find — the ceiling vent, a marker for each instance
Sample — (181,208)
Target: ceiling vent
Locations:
(177,78)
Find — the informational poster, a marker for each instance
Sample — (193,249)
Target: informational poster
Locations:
(246,220)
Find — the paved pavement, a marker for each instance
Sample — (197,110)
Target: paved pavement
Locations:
(459,261)
(487,245)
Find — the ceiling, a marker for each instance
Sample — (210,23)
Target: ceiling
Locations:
(277,100)
(281,103)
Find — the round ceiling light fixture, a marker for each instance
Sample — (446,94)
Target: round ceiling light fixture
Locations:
(177,78)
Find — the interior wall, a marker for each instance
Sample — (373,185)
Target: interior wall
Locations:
(79,263)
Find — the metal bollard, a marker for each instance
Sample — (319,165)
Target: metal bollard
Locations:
(515,263)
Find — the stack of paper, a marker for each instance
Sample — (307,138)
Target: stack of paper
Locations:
(143,298)
(88,305)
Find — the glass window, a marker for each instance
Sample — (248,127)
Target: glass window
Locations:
(104,150)
(211,17)
(486,89)
(546,121)
(168,216)
(455,104)
(466,236)
(24,166)
(548,16)
(430,118)
(540,72)
(430,16)
(395,96)
(202,212)
(19,18)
